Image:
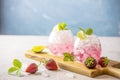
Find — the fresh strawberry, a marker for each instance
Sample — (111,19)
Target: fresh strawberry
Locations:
(103,61)
(32,68)
(90,62)
(51,65)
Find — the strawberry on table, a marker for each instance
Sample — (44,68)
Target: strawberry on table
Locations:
(32,68)
(51,65)
(103,61)
(90,62)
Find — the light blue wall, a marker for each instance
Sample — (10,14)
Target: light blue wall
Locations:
(37,17)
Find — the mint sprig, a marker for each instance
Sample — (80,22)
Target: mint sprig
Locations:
(62,26)
(17,65)
(68,57)
(82,34)
(88,31)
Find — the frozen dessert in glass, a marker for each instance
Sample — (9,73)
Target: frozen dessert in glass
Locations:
(86,45)
(61,40)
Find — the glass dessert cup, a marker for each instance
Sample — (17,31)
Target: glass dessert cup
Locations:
(90,47)
(60,42)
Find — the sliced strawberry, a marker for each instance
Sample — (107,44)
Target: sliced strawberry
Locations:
(103,61)
(51,65)
(32,68)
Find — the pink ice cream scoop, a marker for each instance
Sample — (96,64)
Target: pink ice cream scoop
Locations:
(61,41)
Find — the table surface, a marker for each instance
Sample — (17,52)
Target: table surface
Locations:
(12,46)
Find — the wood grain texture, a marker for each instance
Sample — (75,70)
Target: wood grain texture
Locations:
(77,67)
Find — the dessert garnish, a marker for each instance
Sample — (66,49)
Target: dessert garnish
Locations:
(103,61)
(38,49)
(68,57)
(90,62)
(17,65)
(62,26)
(82,34)
(32,68)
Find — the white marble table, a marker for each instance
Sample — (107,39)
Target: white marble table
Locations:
(14,47)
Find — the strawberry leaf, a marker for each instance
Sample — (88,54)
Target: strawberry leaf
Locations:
(17,63)
(89,61)
(106,61)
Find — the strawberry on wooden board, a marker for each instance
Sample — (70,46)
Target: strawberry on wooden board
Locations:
(90,62)
(32,68)
(51,65)
(103,61)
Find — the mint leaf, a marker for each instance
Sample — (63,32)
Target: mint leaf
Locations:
(17,63)
(60,27)
(89,31)
(81,29)
(68,57)
(12,69)
(16,67)
(63,24)
(71,58)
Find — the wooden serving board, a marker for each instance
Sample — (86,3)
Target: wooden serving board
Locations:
(112,69)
